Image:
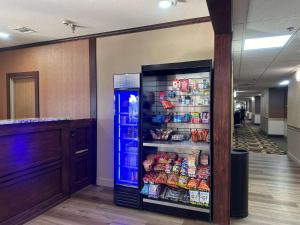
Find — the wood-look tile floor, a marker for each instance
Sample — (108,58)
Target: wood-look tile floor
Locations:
(274,199)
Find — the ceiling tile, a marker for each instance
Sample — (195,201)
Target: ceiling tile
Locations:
(261,10)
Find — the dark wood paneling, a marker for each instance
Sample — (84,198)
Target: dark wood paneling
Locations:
(220,13)
(117,32)
(257,104)
(83,154)
(93,77)
(277,102)
(35,76)
(222,101)
(28,191)
(23,151)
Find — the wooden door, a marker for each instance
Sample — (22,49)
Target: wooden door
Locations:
(23,97)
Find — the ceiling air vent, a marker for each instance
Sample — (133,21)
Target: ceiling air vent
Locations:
(25,30)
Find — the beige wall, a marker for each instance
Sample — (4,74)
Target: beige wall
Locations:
(126,54)
(63,73)
(294,103)
(293,119)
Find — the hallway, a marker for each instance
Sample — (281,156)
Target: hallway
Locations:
(250,137)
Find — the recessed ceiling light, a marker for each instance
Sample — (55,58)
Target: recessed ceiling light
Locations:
(284,83)
(298,75)
(4,35)
(165,4)
(266,42)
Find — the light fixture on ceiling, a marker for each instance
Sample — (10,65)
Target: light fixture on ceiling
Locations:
(284,83)
(234,93)
(165,4)
(266,42)
(4,35)
(252,98)
(168,3)
(298,75)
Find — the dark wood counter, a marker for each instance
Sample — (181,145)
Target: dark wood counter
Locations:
(41,164)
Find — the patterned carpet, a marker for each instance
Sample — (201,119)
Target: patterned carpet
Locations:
(250,138)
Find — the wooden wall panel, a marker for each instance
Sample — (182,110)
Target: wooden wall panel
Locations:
(277,103)
(222,103)
(64,77)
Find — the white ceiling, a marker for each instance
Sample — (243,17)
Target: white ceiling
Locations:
(98,16)
(257,69)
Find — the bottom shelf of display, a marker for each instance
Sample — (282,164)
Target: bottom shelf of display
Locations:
(176,205)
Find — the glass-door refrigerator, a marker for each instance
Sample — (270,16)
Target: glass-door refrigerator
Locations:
(127,140)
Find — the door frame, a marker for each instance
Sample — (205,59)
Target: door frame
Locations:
(32,74)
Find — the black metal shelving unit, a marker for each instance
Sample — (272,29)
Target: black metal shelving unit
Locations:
(156,79)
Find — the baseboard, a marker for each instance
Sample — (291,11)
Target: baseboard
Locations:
(294,158)
(105,182)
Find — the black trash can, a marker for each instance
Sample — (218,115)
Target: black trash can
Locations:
(239,183)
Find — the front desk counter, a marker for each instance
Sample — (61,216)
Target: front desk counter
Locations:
(43,161)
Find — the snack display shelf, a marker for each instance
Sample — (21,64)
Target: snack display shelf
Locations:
(183,144)
(177,205)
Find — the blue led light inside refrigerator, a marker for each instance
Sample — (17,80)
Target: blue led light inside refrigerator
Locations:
(127,139)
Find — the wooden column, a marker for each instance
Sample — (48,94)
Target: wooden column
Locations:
(222,101)
(220,14)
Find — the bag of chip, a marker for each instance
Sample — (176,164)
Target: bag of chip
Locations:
(154,190)
(182,181)
(145,189)
(173,194)
(204,198)
(161,178)
(172,180)
(184,86)
(194,197)
(192,183)
(184,197)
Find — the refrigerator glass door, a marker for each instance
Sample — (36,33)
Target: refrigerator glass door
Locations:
(126,137)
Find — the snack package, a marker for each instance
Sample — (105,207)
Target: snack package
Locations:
(173,194)
(148,164)
(184,85)
(192,171)
(177,166)
(159,167)
(195,117)
(194,197)
(176,84)
(203,172)
(171,94)
(182,181)
(163,192)
(149,178)
(195,136)
(192,160)
(193,183)
(184,167)
(161,178)
(205,117)
(172,180)
(204,159)
(203,186)
(184,197)
(169,166)
(205,84)
(167,104)
(204,198)
(145,189)
(162,96)
(154,190)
